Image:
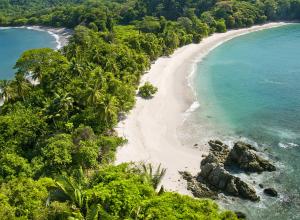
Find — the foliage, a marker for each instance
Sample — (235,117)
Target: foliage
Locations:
(62,127)
(147,90)
(28,197)
(120,192)
(151,176)
(174,206)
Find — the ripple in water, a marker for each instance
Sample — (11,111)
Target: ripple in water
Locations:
(248,89)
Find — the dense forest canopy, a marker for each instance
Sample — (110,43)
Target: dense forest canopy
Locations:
(69,13)
(57,138)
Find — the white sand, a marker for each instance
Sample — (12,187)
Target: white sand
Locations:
(151,127)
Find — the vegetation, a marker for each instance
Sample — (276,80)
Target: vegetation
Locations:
(147,90)
(57,138)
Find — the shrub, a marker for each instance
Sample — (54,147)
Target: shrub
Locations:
(147,90)
(220,26)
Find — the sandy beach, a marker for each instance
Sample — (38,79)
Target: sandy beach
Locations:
(151,128)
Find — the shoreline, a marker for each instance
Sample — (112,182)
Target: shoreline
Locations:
(61,35)
(151,127)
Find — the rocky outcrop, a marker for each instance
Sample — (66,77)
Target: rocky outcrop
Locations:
(198,189)
(243,155)
(215,172)
(214,175)
(219,150)
(271,192)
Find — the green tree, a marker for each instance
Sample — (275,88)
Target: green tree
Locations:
(221,26)
(58,152)
(40,62)
(21,86)
(6,90)
(28,197)
(20,130)
(13,165)
(147,90)
(175,206)
(7,211)
(151,176)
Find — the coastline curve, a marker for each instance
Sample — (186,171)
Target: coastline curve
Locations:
(151,128)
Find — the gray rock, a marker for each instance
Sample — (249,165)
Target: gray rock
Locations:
(198,189)
(231,188)
(246,191)
(217,177)
(207,168)
(243,155)
(271,192)
(217,145)
(214,175)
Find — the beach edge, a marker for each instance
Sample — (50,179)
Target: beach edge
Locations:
(151,127)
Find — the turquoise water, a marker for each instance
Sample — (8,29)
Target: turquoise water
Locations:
(14,41)
(249,88)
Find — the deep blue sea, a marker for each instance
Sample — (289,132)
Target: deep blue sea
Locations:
(249,88)
(14,41)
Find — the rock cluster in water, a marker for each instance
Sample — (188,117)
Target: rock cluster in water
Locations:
(215,175)
(243,155)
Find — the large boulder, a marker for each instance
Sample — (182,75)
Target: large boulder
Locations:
(217,145)
(207,168)
(271,192)
(243,155)
(219,150)
(198,189)
(214,175)
(245,190)
(231,187)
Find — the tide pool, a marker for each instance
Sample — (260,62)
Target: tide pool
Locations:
(249,89)
(14,41)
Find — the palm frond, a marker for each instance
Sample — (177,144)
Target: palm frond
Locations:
(153,178)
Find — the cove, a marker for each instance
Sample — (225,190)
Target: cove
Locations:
(14,41)
(248,88)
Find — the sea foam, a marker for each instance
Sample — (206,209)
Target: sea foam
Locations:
(287,145)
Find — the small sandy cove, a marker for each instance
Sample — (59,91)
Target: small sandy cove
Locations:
(151,127)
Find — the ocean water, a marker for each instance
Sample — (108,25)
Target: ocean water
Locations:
(14,41)
(249,89)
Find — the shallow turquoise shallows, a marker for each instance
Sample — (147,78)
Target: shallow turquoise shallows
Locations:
(249,88)
(14,41)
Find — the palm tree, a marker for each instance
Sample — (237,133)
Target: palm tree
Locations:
(98,56)
(109,109)
(6,91)
(153,177)
(111,66)
(94,93)
(70,189)
(76,67)
(21,85)
(36,74)
(65,103)
(73,189)
(95,90)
